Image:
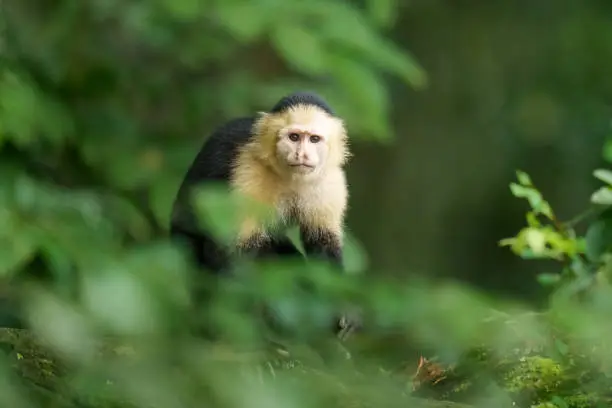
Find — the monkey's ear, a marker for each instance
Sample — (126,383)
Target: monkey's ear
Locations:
(260,127)
(261,118)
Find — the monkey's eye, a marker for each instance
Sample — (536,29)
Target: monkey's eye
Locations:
(294,137)
(315,139)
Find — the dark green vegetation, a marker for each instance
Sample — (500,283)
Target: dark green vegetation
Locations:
(102,108)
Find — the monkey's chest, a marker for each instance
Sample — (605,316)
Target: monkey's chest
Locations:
(292,208)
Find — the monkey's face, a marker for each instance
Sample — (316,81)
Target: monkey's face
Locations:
(302,151)
(304,140)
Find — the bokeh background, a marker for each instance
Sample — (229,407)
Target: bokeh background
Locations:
(104,105)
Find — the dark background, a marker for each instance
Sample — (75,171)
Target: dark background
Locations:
(513,85)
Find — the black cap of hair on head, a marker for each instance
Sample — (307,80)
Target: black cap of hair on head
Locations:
(301,98)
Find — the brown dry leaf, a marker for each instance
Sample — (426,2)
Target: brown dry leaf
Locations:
(427,372)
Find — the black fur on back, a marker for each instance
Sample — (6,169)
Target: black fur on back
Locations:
(301,98)
(220,150)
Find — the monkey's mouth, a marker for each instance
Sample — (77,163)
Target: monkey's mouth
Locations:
(302,165)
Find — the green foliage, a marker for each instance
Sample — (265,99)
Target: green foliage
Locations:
(535,373)
(538,239)
(574,373)
(102,107)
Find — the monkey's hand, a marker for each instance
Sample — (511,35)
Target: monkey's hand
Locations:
(349,322)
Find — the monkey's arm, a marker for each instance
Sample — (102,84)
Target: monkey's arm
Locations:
(258,241)
(264,247)
(322,243)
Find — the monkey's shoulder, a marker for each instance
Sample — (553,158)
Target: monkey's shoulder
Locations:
(219,152)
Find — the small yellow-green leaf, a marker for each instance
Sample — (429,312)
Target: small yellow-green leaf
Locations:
(519,190)
(536,240)
(537,203)
(524,178)
(545,209)
(507,242)
(532,220)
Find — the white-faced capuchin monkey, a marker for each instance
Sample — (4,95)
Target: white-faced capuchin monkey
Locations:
(290,159)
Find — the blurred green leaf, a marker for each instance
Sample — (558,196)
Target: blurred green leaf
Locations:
(400,62)
(355,256)
(354,33)
(366,94)
(125,213)
(60,263)
(549,279)
(27,115)
(383,12)
(217,210)
(15,252)
(246,20)
(532,220)
(559,402)
(300,47)
(61,324)
(521,191)
(536,240)
(293,234)
(161,198)
(17,102)
(534,197)
(598,237)
(132,309)
(185,10)
(604,175)
(524,178)
(607,150)
(561,346)
(603,196)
